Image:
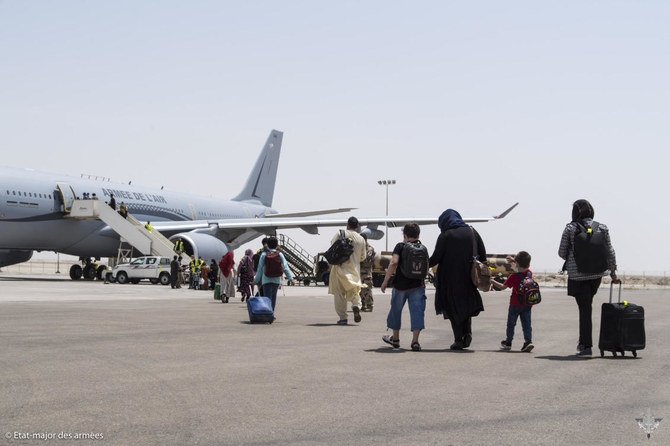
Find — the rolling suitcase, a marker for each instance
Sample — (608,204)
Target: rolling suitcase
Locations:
(260,310)
(621,327)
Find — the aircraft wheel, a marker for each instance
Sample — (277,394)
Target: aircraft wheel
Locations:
(164,278)
(122,277)
(75,272)
(89,272)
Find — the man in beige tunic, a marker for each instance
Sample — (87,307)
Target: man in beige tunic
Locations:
(345,279)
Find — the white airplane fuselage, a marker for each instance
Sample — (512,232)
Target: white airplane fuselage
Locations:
(32,214)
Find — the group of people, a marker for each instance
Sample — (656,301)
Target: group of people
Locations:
(456,296)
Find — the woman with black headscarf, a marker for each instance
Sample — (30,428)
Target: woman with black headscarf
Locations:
(456,297)
(584,278)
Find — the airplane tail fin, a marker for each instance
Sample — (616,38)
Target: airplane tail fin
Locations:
(260,185)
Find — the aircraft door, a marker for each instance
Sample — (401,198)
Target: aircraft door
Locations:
(67,195)
(194,212)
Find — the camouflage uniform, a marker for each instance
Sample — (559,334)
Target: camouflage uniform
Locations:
(366,277)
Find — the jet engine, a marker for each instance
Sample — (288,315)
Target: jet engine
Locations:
(12,256)
(202,245)
(373,233)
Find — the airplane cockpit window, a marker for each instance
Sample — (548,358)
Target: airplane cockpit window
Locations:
(151,261)
(137,262)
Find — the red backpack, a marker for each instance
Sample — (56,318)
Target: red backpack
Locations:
(273,265)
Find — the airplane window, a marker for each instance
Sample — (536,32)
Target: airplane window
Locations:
(30,194)
(14,192)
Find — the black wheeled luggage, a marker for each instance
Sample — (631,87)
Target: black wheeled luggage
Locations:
(621,327)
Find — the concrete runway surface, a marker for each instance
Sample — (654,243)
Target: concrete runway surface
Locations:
(148,365)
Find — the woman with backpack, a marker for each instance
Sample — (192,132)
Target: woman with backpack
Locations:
(246,273)
(589,256)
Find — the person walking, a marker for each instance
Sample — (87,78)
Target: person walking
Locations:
(271,267)
(516,309)
(174,272)
(408,286)
(589,256)
(213,274)
(112,201)
(345,279)
(180,272)
(123,210)
(367,301)
(456,297)
(246,273)
(227,277)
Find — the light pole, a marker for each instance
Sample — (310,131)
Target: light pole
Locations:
(386,224)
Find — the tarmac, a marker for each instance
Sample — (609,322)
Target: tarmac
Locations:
(147,365)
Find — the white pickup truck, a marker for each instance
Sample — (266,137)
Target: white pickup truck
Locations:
(156,269)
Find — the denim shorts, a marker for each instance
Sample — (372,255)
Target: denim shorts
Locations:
(417,307)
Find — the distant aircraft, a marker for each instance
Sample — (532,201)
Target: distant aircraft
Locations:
(34,207)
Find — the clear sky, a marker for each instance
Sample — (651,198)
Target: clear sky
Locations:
(467,105)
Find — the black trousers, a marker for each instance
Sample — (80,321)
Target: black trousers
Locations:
(583,292)
(461,328)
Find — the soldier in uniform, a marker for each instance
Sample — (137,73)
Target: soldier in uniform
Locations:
(366,277)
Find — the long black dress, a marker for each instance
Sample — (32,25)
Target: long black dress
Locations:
(456,298)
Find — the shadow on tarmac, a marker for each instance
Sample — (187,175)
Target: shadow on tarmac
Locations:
(566,358)
(334,324)
(423,350)
(38,279)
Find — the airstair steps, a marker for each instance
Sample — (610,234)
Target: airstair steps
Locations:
(299,260)
(129,229)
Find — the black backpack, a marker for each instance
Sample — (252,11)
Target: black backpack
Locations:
(414,260)
(340,251)
(590,249)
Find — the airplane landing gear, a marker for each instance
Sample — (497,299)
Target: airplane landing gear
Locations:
(75,272)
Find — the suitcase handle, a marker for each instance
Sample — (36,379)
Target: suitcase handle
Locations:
(611,288)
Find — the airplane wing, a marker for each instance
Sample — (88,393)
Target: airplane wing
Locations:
(310,225)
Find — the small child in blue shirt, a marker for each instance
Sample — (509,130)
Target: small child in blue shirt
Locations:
(517,310)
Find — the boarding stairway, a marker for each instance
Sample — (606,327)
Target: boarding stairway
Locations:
(131,230)
(299,261)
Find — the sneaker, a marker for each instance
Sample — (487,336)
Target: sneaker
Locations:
(505,345)
(527,346)
(585,352)
(357,314)
(580,347)
(342,322)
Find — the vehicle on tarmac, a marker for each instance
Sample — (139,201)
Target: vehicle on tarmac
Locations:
(155,269)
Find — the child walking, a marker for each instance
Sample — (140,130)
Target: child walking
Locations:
(517,310)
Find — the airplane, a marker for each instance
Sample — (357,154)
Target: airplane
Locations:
(34,208)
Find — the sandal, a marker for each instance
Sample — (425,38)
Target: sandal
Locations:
(416,347)
(395,343)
